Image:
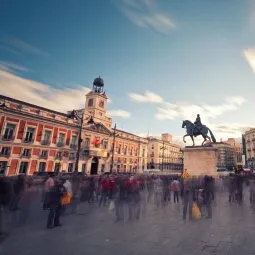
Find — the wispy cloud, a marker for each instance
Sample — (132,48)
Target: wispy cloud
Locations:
(146,14)
(5,48)
(249,55)
(119,113)
(63,99)
(10,67)
(17,44)
(172,111)
(147,97)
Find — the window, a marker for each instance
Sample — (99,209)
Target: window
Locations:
(44,154)
(73,141)
(3,167)
(125,150)
(5,151)
(118,168)
(105,144)
(70,168)
(46,137)
(125,168)
(26,153)
(42,167)
(86,143)
(9,131)
(59,155)
(29,135)
(57,168)
(119,149)
(131,151)
(61,139)
(72,156)
(143,153)
(23,167)
(86,153)
(83,168)
(90,103)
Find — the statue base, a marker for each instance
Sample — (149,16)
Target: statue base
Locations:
(200,160)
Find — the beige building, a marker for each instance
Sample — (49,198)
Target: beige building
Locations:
(238,149)
(250,147)
(163,154)
(226,156)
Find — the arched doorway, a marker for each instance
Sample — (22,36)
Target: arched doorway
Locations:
(94,166)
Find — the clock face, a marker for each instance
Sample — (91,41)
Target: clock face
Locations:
(101,103)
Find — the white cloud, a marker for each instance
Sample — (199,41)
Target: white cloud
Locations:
(147,97)
(146,14)
(188,110)
(249,55)
(63,99)
(119,113)
(19,44)
(10,67)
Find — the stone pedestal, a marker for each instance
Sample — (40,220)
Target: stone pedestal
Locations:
(200,160)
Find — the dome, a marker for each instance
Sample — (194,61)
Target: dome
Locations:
(99,82)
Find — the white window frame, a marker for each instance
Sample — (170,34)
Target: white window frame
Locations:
(25,133)
(43,135)
(5,126)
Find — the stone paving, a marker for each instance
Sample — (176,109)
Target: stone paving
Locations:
(160,231)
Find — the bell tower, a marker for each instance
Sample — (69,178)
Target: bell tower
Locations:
(96,102)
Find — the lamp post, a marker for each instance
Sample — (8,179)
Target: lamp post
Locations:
(113,147)
(74,114)
(163,148)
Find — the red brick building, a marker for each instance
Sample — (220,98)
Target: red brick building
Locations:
(36,139)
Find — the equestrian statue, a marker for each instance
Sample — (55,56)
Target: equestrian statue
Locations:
(197,128)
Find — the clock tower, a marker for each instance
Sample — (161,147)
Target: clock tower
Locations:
(96,102)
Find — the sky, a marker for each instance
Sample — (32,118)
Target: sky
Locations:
(162,61)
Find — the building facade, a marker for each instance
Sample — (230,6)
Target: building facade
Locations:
(163,154)
(238,149)
(226,156)
(249,138)
(36,139)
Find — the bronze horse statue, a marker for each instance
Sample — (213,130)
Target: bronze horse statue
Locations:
(192,131)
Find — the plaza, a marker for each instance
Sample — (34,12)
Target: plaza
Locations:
(158,231)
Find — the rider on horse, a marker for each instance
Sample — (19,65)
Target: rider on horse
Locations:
(198,125)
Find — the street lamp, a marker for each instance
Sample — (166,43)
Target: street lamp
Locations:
(74,115)
(163,148)
(113,147)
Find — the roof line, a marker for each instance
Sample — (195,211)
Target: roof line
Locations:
(31,105)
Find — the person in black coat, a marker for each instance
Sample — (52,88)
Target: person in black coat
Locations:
(55,196)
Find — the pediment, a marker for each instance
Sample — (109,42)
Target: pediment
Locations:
(99,127)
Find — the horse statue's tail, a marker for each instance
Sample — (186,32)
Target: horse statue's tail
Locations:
(212,136)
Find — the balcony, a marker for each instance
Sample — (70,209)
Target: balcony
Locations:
(11,138)
(45,142)
(43,156)
(60,144)
(59,157)
(28,140)
(72,157)
(73,146)
(25,155)
(5,154)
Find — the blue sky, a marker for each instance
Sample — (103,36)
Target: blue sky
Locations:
(162,61)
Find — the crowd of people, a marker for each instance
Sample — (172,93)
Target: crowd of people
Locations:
(126,195)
